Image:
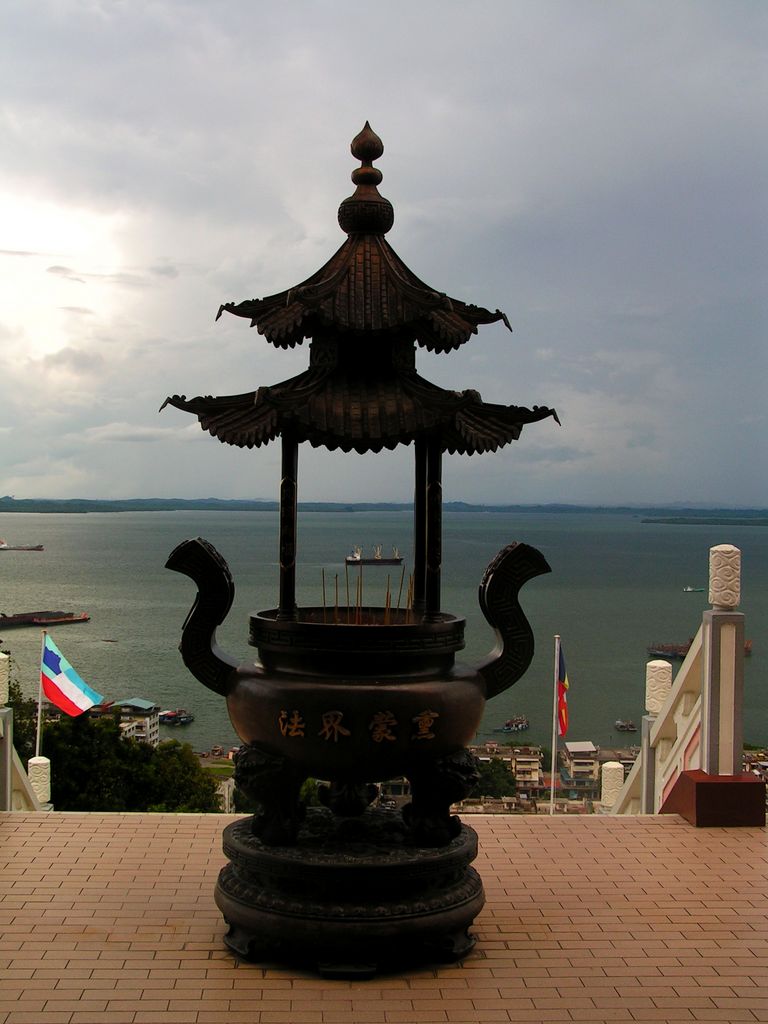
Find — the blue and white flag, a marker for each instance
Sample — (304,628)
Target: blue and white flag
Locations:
(62,685)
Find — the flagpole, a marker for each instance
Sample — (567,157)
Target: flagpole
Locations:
(554,727)
(40,696)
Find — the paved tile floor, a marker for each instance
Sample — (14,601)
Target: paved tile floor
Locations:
(110,919)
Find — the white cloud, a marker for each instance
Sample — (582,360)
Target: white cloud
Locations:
(120,433)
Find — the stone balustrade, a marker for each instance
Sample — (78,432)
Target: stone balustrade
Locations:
(696,722)
(16,791)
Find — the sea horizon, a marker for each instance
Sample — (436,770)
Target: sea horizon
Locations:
(9,503)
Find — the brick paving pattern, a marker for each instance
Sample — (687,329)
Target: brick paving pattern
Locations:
(110,919)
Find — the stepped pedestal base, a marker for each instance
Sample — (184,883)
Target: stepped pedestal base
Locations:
(350,897)
(717,800)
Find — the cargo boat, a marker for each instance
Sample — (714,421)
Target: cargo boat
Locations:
(42,619)
(356,558)
(178,717)
(518,723)
(680,650)
(5,546)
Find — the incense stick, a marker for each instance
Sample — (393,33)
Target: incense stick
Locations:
(400,591)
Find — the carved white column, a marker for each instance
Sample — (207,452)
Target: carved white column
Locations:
(658,683)
(725,577)
(611,782)
(39,772)
(6,736)
(5,678)
(722,718)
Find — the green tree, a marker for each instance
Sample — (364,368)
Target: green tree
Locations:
(24,721)
(181,783)
(94,769)
(496,780)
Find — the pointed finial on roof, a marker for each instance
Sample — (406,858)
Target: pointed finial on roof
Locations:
(366,211)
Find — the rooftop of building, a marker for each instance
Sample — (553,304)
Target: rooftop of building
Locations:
(138,703)
(110,919)
(580,747)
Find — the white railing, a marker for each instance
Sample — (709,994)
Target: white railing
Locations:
(697,721)
(16,790)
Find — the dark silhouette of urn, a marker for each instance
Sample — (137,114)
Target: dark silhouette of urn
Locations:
(356,695)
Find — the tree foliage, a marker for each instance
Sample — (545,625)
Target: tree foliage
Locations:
(24,721)
(182,784)
(496,780)
(94,769)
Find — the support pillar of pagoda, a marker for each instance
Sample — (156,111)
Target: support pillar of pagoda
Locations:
(289,486)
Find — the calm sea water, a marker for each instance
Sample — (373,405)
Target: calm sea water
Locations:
(616,585)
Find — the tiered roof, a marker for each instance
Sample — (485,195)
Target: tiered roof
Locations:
(365,312)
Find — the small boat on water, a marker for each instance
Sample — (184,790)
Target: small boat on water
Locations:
(673,650)
(42,619)
(357,558)
(693,590)
(625,725)
(5,546)
(518,723)
(178,717)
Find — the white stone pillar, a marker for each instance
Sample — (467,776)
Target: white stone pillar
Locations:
(6,759)
(5,679)
(611,782)
(722,718)
(39,772)
(725,577)
(6,735)
(658,683)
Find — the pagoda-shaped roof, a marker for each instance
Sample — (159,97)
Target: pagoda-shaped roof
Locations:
(365,312)
(365,286)
(355,406)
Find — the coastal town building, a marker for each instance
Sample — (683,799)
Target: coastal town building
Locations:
(525,764)
(579,770)
(528,770)
(139,718)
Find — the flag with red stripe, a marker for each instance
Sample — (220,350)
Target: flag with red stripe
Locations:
(562,695)
(62,685)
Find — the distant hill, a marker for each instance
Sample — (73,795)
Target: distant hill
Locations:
(656,514)
(735,519)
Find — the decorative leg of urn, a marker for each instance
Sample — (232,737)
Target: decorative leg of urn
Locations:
(274,784)
(434,787)
(347,799)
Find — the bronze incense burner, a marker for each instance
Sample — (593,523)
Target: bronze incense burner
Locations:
(370,693)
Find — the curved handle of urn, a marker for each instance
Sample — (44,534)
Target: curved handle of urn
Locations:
(215,592)
(511,568)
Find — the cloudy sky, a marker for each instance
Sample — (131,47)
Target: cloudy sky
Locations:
(597,170)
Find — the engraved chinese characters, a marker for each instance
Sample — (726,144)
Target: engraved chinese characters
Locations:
(382,727)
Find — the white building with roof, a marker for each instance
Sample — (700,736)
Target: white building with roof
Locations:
(140,719)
